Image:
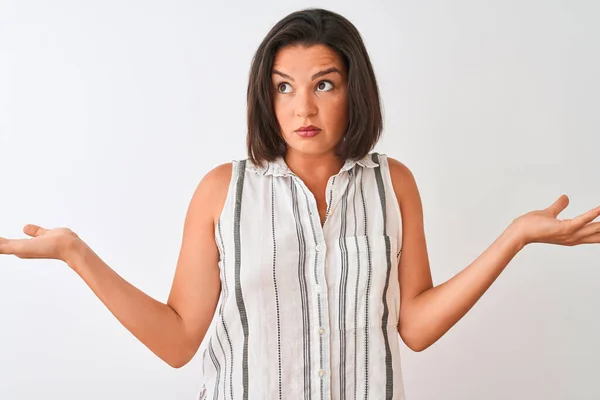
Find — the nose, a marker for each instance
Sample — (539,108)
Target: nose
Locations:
(305,103)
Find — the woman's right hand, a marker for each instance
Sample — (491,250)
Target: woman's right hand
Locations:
(44,243)
(175,330)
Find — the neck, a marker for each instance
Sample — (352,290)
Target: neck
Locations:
(309,167)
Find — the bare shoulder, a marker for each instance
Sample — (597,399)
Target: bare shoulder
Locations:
(398,167)
(212,190)
(403,179)
(219,174)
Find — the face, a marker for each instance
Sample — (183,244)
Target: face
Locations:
(310,88)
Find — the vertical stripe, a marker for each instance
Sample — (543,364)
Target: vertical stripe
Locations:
(224,364)
(306,348)
(389,383)
(217,365)
(204,364)
(275,283)
(226,292)
(330,200)
(238,286)
(299,287)
(342,294)
(356,288)
(368,288)
(308,205)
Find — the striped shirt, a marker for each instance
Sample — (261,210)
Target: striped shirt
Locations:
(307,311)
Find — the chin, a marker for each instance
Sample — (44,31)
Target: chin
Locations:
(318,144)
(310,149)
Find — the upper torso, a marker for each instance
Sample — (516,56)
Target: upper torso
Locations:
(307,311)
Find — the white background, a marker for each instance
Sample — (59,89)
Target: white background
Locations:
(111,112)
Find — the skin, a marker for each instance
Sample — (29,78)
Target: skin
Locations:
(175,329)
(304,94)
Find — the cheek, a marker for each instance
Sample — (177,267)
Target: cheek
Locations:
(281,113)
(337,111)
(283,105)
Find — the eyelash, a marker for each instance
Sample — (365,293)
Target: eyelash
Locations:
(287,83)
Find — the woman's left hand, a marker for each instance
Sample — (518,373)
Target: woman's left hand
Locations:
(542,226)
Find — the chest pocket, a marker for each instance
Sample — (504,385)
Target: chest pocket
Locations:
(368,269)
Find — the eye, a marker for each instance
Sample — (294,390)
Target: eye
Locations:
(280,86)
(323,84)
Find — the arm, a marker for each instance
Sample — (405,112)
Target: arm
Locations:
(157,325)
(428,312)
(173,331)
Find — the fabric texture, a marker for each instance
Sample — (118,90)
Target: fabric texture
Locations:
(307,311)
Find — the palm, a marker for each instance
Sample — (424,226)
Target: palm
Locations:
(542,226)
(45,243)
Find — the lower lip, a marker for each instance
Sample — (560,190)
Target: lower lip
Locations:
(308,134)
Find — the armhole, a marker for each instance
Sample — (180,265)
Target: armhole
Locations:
(387,175)
(227,204)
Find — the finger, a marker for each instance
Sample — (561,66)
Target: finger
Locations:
(594,238)
(559,205)
(587,230)
(582,220)
(10,246)
(34,230)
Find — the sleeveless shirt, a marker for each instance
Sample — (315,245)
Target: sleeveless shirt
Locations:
(307,311)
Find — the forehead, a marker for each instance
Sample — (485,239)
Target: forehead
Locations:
(301,59)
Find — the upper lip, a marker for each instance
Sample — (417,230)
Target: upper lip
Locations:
(308,128)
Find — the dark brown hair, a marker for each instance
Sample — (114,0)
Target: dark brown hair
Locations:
(310,27)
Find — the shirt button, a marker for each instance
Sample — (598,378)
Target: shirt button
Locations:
(318,289)
(319,247)
(321,372)
(321,331)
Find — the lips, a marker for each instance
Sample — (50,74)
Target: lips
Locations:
(308,131)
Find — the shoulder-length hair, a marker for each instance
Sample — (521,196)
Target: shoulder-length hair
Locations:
(310,27)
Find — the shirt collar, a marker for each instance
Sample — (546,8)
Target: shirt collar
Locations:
(278,167)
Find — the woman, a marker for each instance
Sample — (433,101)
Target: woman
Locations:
(310,254)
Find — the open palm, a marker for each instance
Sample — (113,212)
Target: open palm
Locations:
(542,226)
(45,243)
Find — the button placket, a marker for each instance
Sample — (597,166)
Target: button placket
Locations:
(320,285)
(323,310)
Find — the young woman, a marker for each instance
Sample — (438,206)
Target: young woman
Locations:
(309,256)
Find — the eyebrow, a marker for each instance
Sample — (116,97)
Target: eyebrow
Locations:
(315,76)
